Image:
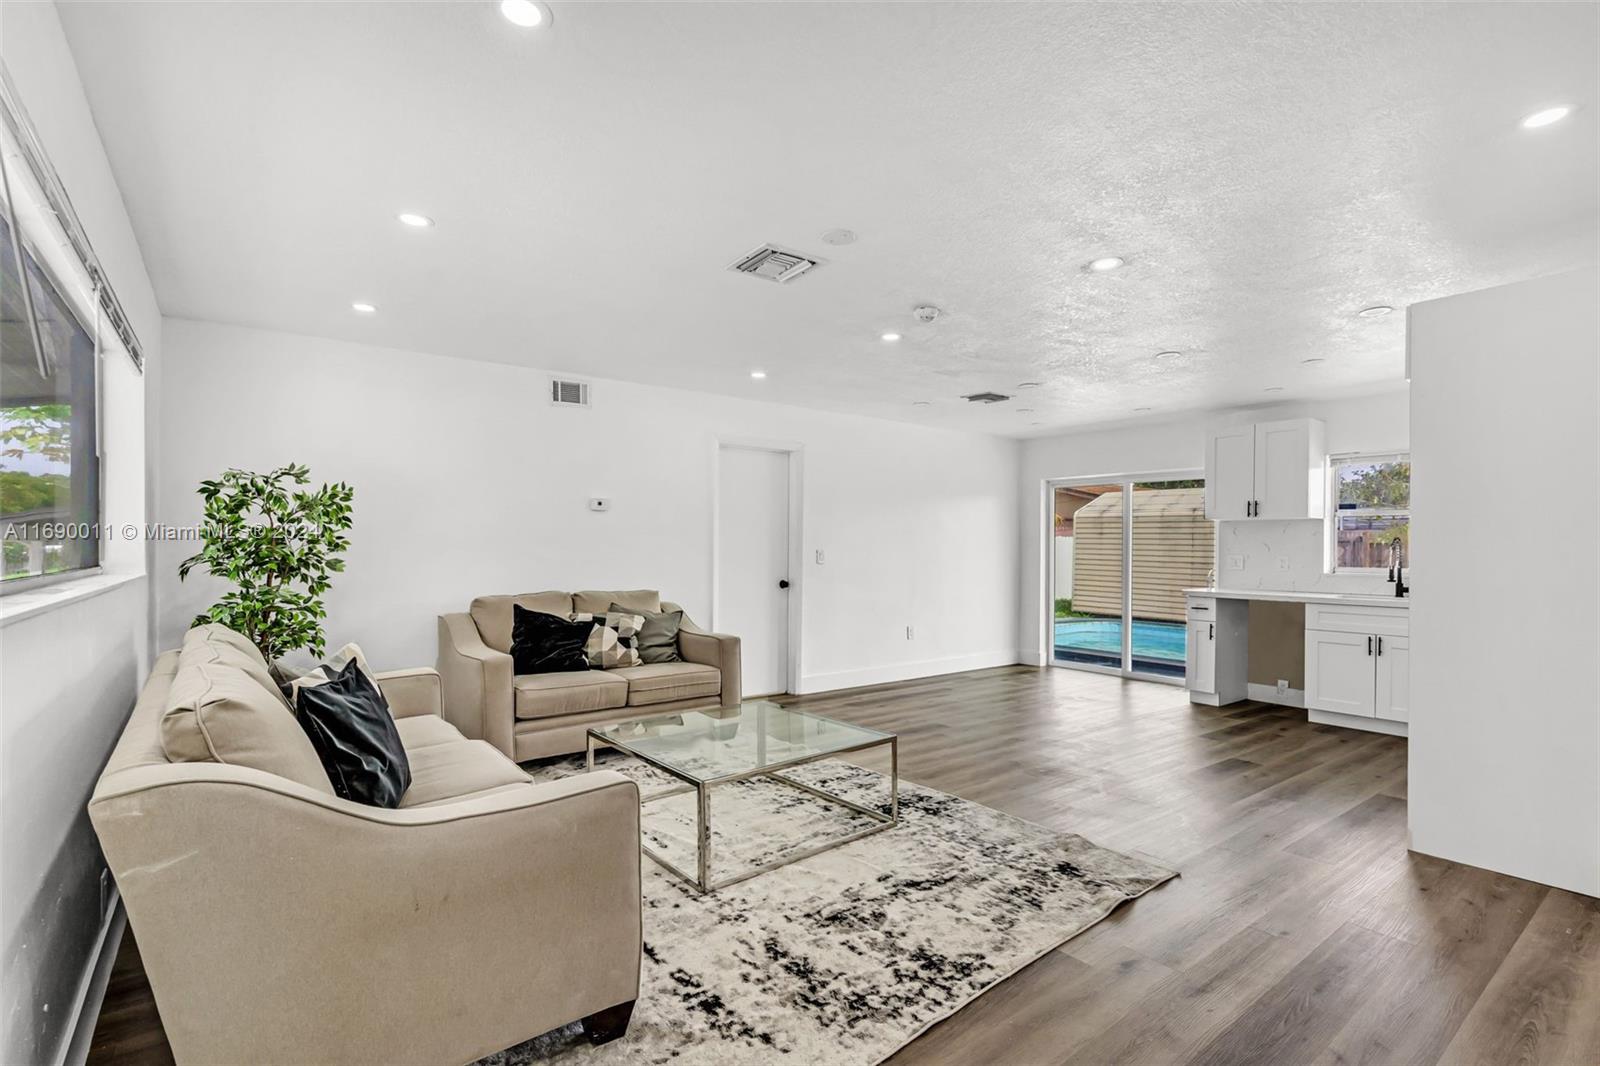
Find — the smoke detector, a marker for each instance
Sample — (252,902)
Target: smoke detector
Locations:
(773,263)
(986,397)
(926,313)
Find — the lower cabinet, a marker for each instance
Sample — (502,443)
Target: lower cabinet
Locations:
(1202,665)
(1358,662)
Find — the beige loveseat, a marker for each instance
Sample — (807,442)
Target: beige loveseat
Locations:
(279,923)
(530,716)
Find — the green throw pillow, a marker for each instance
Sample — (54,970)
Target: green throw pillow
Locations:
(658,637)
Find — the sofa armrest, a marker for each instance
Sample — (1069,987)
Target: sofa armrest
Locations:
(412,692)
(449,932)
(477,682)
(718,650)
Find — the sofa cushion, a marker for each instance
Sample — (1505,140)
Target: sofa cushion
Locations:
(592,602)
(218,712)
(492,614)
(549,695)
(658,636)
(613,641)
(349,724)
(424,730)
(457,769)
(546,644)
(666,682)
(232,649)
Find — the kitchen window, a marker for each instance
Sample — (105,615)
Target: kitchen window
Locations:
(1371,512)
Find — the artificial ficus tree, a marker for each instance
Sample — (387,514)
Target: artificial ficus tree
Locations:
(277,544)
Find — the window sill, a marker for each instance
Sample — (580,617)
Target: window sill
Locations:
(22,605)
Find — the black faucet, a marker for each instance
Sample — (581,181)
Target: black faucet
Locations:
(1396,568)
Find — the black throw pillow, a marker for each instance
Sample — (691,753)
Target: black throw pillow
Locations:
(546,643)
(658,637)
(350,727)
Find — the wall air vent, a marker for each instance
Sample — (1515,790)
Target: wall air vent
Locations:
(986,397)
(569,393)
(773,263)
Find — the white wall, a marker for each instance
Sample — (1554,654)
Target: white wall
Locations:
(467,481)
(1505,721)
(70,672)
(1368,423)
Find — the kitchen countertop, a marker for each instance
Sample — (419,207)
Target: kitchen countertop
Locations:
(1290,596)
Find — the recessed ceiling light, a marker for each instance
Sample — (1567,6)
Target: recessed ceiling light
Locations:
(1024,410)
(1140,410)
(758,374)
(413,220)
(1029,384)
(1377,311)
(839,236)
(525,13)
(364,308)
(1273,388)
(1035,423)
(1313,360)
(890,337)
(1548,117)
(921,403)
(1168,355)
(1105,263)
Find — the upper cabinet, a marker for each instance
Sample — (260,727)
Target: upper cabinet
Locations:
(1268,470)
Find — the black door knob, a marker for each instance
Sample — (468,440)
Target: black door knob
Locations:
(783,583)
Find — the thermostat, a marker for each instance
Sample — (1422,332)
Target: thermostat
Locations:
(599,503)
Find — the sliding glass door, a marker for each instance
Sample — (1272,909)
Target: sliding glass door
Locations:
(1123,551)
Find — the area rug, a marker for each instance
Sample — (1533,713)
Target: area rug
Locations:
(844,957)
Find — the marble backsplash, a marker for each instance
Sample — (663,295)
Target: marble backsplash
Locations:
(1286,556)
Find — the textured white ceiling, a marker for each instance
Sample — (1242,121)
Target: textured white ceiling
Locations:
(1267,170)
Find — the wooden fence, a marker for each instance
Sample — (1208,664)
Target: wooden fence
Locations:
(1174,545)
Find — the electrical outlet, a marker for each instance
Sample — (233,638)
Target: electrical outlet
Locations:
(911,633)
(1283,562)
(1235,562)
(820,559)
(1283,687)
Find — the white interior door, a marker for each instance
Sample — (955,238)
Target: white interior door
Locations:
(753,563)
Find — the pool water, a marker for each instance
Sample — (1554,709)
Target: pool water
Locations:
(1158,647)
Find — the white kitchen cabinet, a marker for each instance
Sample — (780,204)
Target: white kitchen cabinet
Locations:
(1358,661)
(1339,673)
(1394,679)
(1267,470)
(1217,631)
(1202,665)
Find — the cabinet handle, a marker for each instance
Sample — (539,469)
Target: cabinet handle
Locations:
(1212,635)
(1369,645)
(1380,645)
(1247,508)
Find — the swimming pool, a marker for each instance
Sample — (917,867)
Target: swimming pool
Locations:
(1158,647)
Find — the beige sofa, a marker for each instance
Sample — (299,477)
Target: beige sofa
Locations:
(530,716)
(279,923)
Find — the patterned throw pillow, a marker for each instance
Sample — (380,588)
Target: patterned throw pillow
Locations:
(613,642)
(329,670)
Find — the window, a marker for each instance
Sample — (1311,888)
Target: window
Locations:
(1372,510)
(49,466)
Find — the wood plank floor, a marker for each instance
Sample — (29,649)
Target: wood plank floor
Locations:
(1300,931)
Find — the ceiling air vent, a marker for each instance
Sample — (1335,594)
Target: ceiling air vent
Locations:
(773,263)
(569,393)
(986,397)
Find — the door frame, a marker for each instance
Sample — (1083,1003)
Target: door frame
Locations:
(1048,604)
(795,450)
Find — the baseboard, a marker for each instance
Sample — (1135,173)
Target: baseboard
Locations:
(1294,697)
(1355,721)
(1031,658)
(879,675)
(92,991)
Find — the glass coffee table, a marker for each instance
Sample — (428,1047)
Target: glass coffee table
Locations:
(703,749)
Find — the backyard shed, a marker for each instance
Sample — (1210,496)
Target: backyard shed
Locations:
(1174,546)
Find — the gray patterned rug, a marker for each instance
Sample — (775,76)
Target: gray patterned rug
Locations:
(844,957)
